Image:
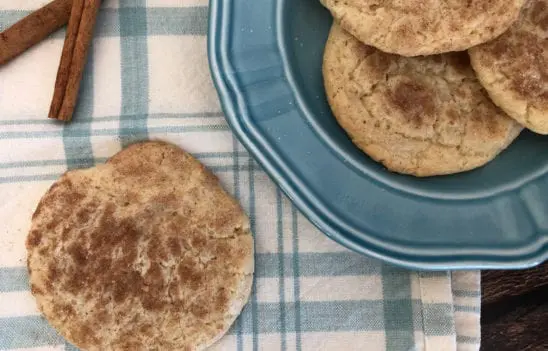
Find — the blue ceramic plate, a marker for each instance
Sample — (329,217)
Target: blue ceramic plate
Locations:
(265,57)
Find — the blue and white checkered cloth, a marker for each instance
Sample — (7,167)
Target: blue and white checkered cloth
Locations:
(148,77)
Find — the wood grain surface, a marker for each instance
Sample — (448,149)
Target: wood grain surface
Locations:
(515,310)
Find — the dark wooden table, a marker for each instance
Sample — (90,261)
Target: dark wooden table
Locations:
(515,310)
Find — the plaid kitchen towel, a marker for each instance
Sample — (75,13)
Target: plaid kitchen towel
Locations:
(147,78)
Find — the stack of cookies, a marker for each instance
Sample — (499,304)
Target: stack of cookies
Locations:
(430,87)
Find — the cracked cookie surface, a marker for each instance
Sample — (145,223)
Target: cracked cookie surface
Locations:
(424,27)
(145,252)
(421,115)
(514,67)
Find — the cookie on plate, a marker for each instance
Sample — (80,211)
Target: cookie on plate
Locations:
(145,252)
(423,116)
(424,27)
(514,68)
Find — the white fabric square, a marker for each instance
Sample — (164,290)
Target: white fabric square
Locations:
(16,215)
(26,83)
(179,75)
(312,240)
(347,341)
(341,288)
(107,89)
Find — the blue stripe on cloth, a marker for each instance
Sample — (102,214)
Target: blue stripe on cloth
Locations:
(78,149)
(466,293)
(236,174)
(296,281)
(242,323)
(438,319)
(29,178)
(397,309)
(432,274)
(115,118)
(39,163)
(185,21)
(333,316)
(8,17)
(315,316)
(54,176)
(222,155)
(310,264)
(70,347)
(467,308)
(79,132)
(254,319)
(13,279)
(267,265)
(461,339)
(159,21)
(134,57)
(23,332)
(317,264)
(281,267)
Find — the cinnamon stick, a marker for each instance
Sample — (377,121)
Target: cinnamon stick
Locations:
(73,58)
(66,58)
(33,28)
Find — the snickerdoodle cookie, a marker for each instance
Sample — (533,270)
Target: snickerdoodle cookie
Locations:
(417,115)
(424,27)
(145,252)
(514,68)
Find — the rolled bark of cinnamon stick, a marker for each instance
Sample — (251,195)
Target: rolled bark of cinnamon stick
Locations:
(33,28)
(73,58)
(66,58)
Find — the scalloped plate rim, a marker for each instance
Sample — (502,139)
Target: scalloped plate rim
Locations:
(506,259)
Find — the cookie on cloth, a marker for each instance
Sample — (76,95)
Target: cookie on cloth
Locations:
(145,252)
